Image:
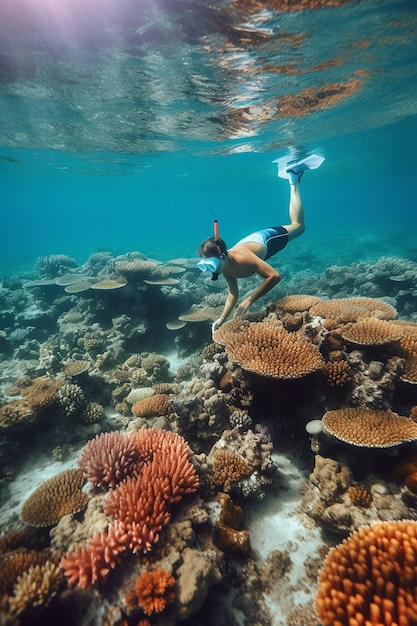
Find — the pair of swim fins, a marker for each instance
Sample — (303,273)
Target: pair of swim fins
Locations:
(294,169)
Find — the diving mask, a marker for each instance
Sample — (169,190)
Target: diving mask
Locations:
(211,264)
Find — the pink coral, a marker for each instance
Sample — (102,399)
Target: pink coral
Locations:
(109,458)
(138,505)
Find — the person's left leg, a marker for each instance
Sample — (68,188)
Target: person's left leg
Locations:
(296,211)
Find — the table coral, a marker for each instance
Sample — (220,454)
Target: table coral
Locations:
(369,428)
(372,332)
(267,349)
(371,577)
(354,309)
(60,495)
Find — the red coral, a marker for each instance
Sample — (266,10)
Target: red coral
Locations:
(138,504)
(92,563)
(170,456)
(109,458)
(153,591)
(141,505)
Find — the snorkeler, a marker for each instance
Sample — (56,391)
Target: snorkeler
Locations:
(249,255)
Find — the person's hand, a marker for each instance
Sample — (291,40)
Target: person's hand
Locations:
(217,324)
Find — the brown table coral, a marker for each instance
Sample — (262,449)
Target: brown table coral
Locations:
(370,428)
(267,349)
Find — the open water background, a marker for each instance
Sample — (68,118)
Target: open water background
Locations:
(132,125)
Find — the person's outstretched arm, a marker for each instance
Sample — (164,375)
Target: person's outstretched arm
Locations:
(271,278)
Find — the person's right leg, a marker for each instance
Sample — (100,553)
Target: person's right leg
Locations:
(296,211)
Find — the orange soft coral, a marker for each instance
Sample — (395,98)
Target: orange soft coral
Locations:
(153,591)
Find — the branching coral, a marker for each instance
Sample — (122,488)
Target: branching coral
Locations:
(109,458)
(371,577)
(60,495)
(36,587)
(139,506)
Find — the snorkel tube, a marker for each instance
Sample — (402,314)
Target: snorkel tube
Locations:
(214,275)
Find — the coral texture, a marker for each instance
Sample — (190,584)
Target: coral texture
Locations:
(153,591)
(372,332)
(267,349)
(138,505)
(60,495)
(109,458)
(36,587)
(371,577)
(229,468)
(157,404)
(370,428)
(354,309)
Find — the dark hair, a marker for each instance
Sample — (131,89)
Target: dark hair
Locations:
(208,248)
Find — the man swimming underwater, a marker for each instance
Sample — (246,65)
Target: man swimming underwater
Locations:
(249,255)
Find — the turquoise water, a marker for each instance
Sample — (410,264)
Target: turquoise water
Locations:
(132,126)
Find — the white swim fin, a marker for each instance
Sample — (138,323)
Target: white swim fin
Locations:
(294,169)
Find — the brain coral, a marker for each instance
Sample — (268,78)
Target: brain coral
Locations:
(60,495)
(109,458)
(371,428)
(267,349)
(371,578)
